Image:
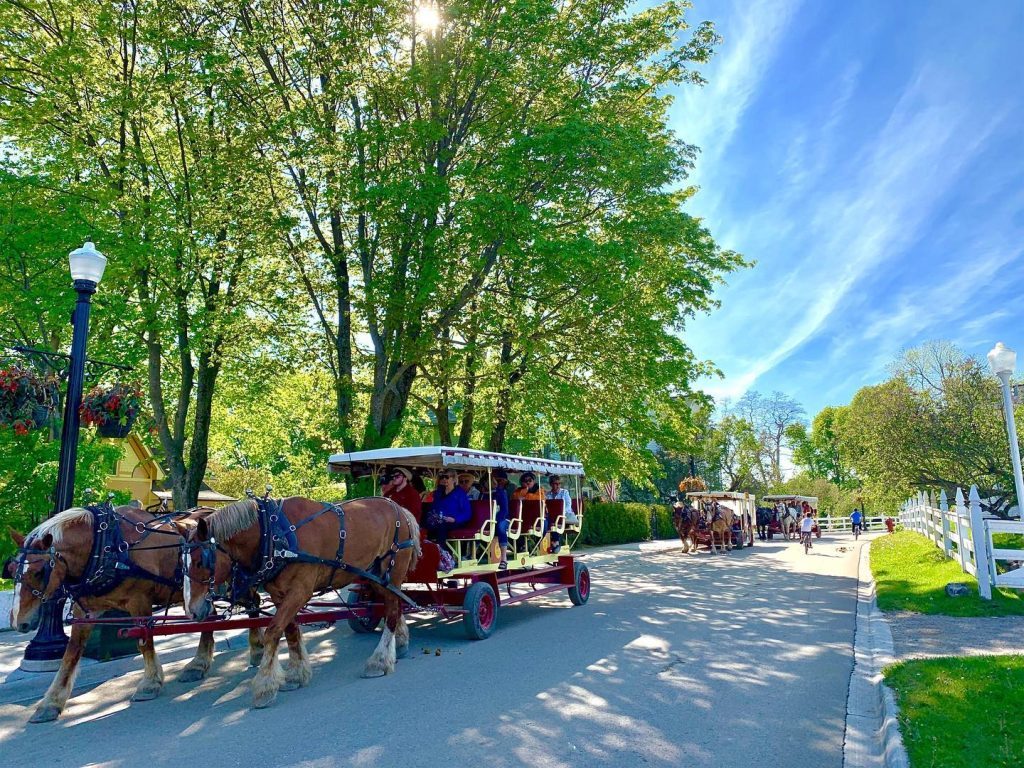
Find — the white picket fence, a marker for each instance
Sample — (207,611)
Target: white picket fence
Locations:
(965,535)
(844,524)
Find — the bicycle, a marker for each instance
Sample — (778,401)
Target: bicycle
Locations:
(856,531)
(805,538)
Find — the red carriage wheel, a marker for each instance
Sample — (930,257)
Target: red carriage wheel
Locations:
(579,593)
(481,608)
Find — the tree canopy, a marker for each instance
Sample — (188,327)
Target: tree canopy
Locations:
(479,226)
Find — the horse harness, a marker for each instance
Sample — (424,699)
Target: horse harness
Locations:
(109,561)
(279,546)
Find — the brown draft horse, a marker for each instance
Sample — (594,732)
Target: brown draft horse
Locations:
(64,544)
(721,526)
(370,527)
(686,520)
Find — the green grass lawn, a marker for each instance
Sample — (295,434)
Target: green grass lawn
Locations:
(960,712)
(911,574)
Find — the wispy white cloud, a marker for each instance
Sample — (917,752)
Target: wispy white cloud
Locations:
(710,116)
(853,218)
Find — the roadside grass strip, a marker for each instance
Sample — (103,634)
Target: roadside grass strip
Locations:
(960,712)
(911,574)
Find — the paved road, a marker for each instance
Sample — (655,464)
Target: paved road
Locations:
(676,660)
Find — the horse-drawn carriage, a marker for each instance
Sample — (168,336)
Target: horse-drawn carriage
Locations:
(785,523)
(709,506)
(271,564)
(473,547)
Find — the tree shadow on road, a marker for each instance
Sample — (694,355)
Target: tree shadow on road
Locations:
(676,660)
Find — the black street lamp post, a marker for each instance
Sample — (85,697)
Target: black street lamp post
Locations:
(44,652)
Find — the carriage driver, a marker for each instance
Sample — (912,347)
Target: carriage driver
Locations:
(399,489)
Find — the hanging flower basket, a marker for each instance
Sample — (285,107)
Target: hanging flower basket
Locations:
(692,484)
(112,409)
(26,398)
(115,429)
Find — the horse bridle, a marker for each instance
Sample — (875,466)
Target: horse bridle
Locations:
(207,559)
(53,556)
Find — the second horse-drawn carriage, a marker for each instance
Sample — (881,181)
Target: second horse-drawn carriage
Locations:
(712,518)
(784,512)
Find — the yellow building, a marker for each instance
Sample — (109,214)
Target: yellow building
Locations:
(139,473)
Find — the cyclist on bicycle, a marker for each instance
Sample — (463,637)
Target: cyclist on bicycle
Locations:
(857,519)
(806,529)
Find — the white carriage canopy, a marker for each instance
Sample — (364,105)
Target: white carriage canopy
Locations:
(812,500)
(436,457)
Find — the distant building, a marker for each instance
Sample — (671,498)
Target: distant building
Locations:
(139,473)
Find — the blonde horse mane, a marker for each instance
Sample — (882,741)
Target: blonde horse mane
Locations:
(57,525)
(232,518)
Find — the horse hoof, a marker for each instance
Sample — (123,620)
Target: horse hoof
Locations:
(290,685)
(191,674)
(401,651)
(45,714)
(374,672)
(264,698)
(146,694)
(255,659)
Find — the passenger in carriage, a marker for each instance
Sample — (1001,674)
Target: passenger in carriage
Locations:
(451,508)
(559,493)
(528,489)
(498,494)
(400,490)
(467,482)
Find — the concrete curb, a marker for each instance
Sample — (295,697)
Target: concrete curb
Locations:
(6,604)
(872,730)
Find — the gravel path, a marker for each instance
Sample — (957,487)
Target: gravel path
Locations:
(916,636)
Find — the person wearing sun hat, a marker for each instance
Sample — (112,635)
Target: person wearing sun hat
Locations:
(399,489)
(467,482)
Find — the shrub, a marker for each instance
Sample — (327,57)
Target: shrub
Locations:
(663,513)
(615,523)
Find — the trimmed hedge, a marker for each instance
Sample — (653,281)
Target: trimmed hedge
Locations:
(624,522)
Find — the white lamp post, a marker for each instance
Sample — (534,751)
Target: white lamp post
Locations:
(1003,360)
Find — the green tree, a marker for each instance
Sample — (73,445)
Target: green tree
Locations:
(510,145)
(935,425)
(820,452)
(133,108)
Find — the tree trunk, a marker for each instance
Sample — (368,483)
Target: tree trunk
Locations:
(444,424)
(469,392)
(387,408)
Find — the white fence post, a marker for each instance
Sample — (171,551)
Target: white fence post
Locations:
(944,511)
(961,515)
(980,546)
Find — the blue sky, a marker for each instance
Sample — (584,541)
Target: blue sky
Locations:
(869,156)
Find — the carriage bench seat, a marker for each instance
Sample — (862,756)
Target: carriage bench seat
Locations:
(480,525)
(533,517)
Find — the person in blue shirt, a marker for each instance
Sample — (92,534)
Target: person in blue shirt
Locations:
(857,519)
(498,494)
(450,510)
